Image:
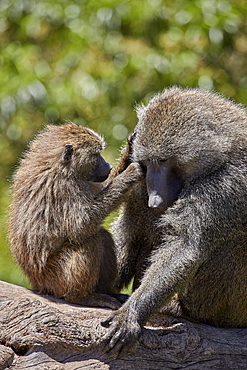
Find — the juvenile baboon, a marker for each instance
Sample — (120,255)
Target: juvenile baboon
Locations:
(182,232)
(59,203)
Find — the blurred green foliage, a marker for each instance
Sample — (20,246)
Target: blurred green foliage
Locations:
(92,61)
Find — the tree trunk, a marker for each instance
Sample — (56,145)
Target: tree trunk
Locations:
(41,332)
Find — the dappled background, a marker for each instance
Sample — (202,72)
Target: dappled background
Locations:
(92,61)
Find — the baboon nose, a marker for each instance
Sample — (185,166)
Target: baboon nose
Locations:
(156,202)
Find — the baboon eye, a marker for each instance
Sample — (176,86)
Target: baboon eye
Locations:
(95,156)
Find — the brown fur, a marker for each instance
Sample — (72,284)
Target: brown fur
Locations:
(57,209)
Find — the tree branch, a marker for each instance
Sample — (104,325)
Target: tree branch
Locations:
(41,332)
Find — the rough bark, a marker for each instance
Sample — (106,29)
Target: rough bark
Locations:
(40,332)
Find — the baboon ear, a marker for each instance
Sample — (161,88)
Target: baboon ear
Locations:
(67,153)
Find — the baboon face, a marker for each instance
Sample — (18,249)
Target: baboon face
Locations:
(178,137)
(163,184)
(89,164)
(83,153)
(180,130)
(72,149)
(101,170)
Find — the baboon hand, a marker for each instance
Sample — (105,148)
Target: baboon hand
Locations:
(121,335)
(135,172)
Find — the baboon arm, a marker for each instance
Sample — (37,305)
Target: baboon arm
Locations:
(124,160)
(110,197)
(157,288)
(122,164)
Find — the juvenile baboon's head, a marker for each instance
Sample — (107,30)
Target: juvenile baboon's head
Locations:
(72,148)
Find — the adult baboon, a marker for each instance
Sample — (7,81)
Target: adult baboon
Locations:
(182,232)
(59,203)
